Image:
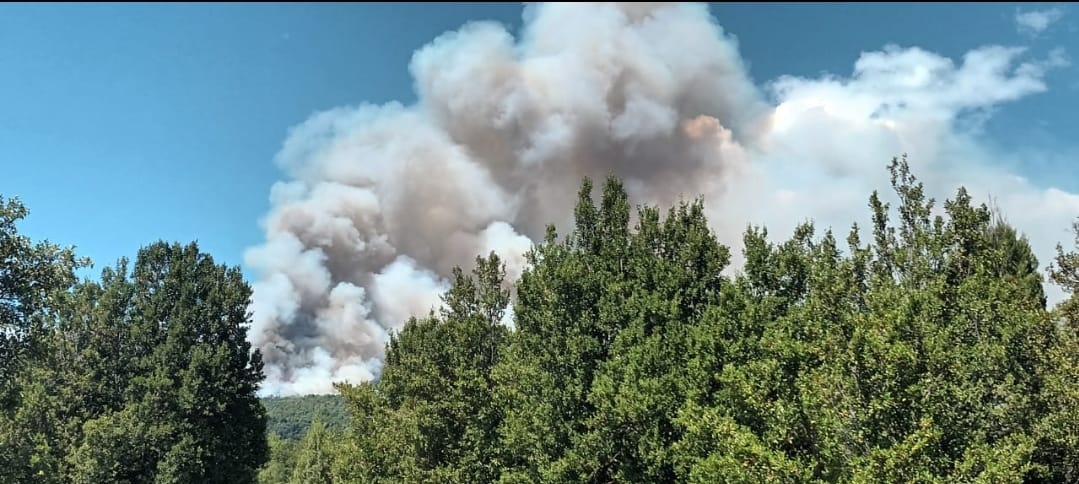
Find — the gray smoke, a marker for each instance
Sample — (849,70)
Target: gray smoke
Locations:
(385,200)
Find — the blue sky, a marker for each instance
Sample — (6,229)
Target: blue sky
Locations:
(123,124)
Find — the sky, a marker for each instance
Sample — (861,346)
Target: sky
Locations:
(347,156)
(122,124)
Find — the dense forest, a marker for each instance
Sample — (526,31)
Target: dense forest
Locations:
(925,353)
(290,417)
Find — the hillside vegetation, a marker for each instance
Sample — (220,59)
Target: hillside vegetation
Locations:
(290,417)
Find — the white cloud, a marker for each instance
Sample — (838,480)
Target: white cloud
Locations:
(1035,22)
(830,138)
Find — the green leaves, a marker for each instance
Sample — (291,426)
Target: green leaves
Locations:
(143,376)
(33,278)
(926,355)
(289,417)
(436,391)
(314,456)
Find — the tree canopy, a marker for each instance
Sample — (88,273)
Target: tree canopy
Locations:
(143,376)
(924,353)
(290,417)
(917,349)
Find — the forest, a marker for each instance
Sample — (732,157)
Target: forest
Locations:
(290,417)
(924,353)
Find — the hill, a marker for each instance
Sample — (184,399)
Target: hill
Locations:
(289,417)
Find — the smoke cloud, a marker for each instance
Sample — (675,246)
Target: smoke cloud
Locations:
(383,201)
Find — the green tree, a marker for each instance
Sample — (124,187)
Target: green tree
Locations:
(189,377)
(34,278)
(382,444)
(1057,431)
(31,278)
(437,374)
(570,307)
(671,277)
(907,360)
(290,417)
(1064,272)
(924,354)
(279,467)
(314,456)
(1018,260)
(141,376)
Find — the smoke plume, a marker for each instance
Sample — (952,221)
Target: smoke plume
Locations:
(383,201)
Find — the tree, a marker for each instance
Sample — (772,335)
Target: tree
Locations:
(437,376)
(672,276)
(290,417)
(141,376)
(150,377)
(570,307)
(1064,272)
(1019,262)
(382,444)
(33,281)
(1057,431)
(282,461)
(925,354)
(31,277)
(197,369)
(909,359)
(314,456)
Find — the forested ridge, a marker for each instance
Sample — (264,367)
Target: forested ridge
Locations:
(290,417)
(919,349)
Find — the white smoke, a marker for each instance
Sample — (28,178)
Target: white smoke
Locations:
(385,200)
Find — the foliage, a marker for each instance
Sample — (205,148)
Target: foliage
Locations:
(924,355)
(290,417)
(143,376)
(32,277)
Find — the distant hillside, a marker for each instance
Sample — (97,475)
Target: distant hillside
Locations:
(289,417)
